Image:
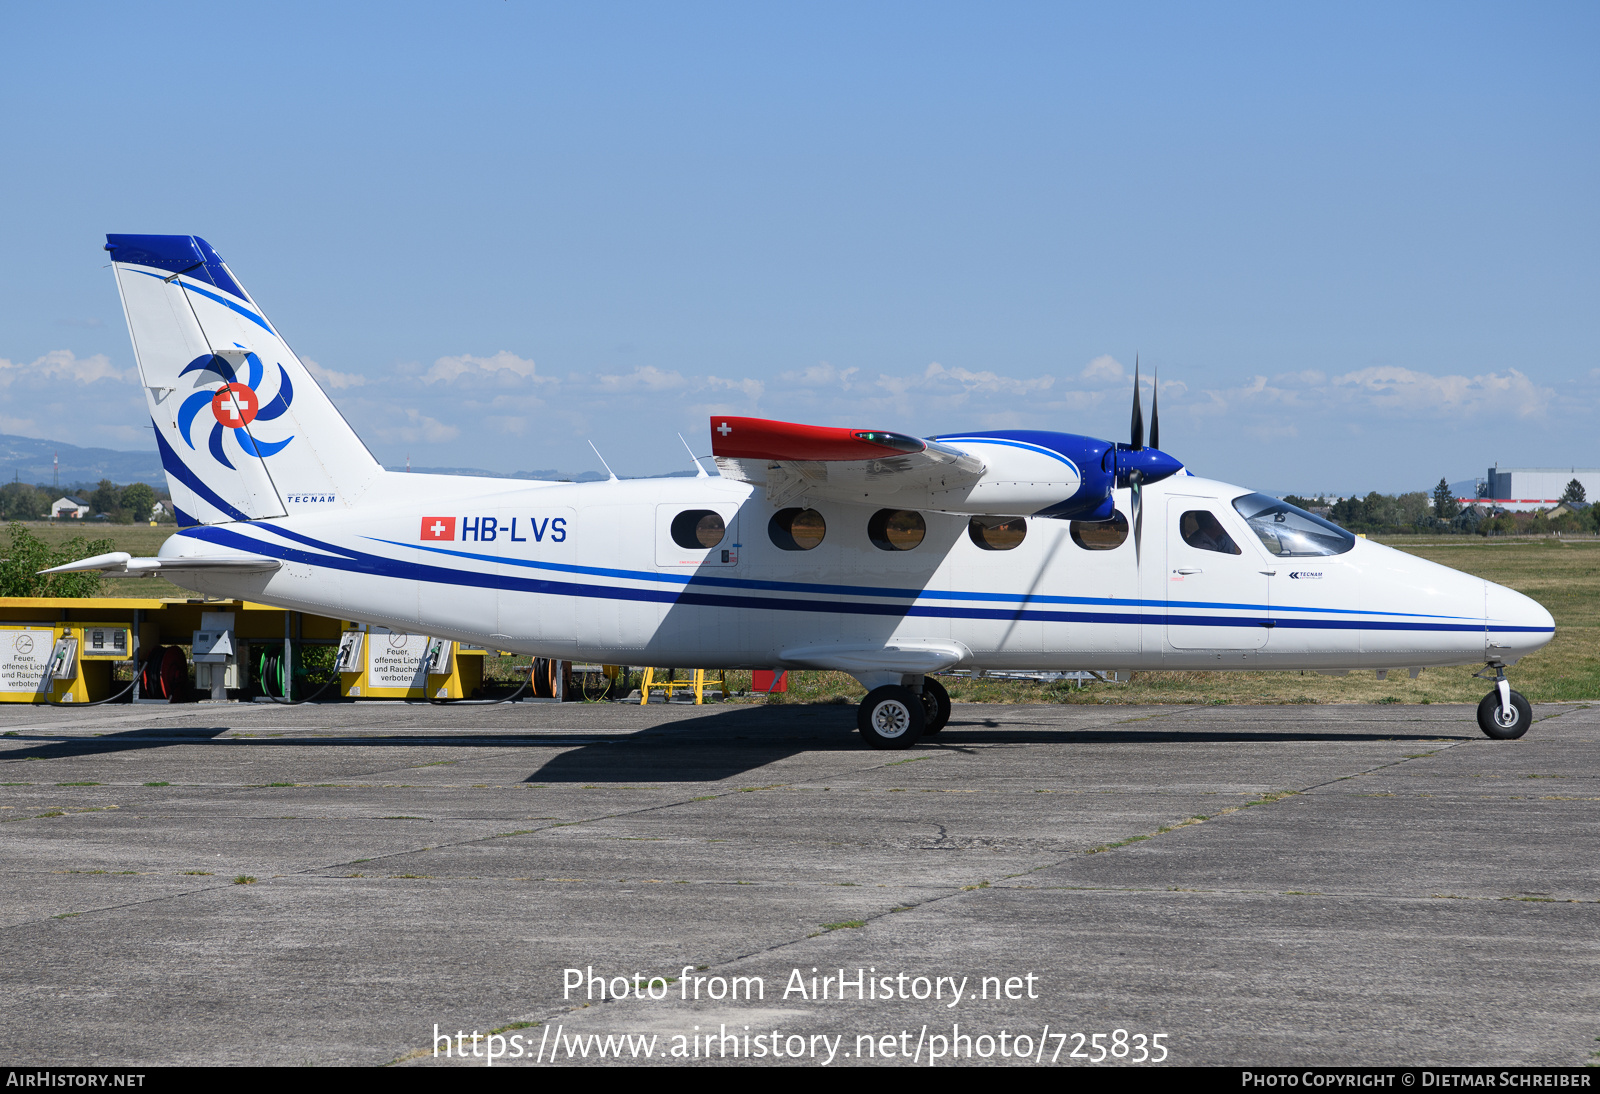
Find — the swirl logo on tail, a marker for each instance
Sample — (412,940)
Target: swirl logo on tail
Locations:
(235,405)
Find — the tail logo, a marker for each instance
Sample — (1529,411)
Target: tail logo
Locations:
(235,405)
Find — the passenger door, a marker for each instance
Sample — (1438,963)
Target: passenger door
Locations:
(1217,592)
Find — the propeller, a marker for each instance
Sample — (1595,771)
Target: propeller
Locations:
(1136,476)
(1155,409)
(1137,465)
(1137,427)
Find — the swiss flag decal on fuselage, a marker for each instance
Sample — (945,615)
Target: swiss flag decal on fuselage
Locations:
(439,528)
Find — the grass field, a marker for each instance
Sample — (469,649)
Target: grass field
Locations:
(1562,574)
(136,539)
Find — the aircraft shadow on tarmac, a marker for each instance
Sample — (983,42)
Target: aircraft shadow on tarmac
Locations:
(716,745)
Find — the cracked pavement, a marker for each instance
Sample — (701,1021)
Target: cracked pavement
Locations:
(1264,885)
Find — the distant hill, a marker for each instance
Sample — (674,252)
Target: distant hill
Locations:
(28,460)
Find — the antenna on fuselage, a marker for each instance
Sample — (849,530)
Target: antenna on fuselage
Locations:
(699,468)
(603,462)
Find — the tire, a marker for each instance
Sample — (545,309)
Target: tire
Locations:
(1489,719)
(891,717)
(935,705)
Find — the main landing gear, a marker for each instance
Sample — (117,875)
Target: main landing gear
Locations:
(1504,714)
(897,716)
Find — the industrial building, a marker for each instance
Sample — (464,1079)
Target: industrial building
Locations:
(1524,488)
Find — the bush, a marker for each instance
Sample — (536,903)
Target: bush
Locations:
(28,554)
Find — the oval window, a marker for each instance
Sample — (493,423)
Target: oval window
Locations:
(896,529)
(1101,535)
(796,529)
(997,533)
(698,529)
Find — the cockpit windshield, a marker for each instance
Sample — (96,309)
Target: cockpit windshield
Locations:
(1286,531)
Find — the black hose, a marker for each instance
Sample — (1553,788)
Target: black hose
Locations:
(262,680)
(110,699)
(481,702)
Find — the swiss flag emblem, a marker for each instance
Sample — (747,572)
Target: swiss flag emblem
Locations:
(439,528)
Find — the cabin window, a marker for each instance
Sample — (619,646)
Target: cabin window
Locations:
(698,529)
(796,529)
(1201,530)
(1101,535)
(1286,530)
(997,533)
(896,529)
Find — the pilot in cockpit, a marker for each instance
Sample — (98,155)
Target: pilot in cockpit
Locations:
(1202,530)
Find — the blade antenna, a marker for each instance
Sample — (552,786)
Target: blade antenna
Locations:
(606,465)
(1155,411)
(699,468)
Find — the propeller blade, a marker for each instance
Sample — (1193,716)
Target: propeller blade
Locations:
(1155,411)
(1137,428)
(1138,517)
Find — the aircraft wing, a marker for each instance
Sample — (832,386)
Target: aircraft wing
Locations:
(792,460)
(121,562)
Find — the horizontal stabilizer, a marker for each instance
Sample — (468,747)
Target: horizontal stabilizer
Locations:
(121,562)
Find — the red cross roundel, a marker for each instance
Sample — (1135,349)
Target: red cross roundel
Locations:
(235,405)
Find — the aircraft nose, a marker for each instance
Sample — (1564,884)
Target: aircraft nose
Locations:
(1517,625)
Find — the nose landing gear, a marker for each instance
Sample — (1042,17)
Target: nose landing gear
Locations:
(1504,714)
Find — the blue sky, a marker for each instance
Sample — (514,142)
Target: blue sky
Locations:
(1359,241)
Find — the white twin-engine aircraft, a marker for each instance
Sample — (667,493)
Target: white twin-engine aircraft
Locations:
(884,556)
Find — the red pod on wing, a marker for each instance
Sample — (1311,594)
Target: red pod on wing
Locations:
(763,439)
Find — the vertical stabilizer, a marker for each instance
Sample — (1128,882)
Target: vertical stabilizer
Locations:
(243,430)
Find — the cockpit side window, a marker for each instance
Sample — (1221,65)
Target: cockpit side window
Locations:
(1286,531)
(1201,529)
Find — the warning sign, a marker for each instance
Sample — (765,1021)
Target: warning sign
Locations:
(396,660)
(25,659)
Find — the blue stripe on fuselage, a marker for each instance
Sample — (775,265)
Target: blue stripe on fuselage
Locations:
(379,565)
(868,590)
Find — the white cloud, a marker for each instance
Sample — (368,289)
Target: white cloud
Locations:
(330,378)
(751,387)
(418,427)
(645,378)
(63,365)
(1103,369)
(1405,390)
(821,374)
(1388,390)
(936,375)
(503,367)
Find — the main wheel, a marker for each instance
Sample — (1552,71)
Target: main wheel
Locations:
(891,717)
(1496,724)
(936,705)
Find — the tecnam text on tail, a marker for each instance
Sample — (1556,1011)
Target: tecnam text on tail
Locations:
(885,556)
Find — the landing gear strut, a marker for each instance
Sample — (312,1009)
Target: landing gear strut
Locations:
(1504,714)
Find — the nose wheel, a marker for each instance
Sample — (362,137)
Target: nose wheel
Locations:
(1504,714)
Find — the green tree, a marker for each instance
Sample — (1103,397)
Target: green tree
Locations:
(137,501)
(20,501)
(1574,493)
(28,554)
(1445,506)
(107,498)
